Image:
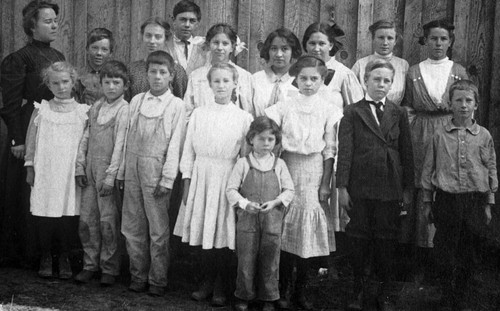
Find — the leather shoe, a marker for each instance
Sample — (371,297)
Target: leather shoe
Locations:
(84,276)
(137,287)
(156,291)
(45,270)
(107,280)
(65,272)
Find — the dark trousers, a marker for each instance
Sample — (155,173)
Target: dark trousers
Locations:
(287,262)
(458,218)
(52,229)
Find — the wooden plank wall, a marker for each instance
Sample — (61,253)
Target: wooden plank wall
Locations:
(476,34)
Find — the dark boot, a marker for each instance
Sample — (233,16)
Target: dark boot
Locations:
(45,270)
(285,292)
(219,296)
(65,272)
(359,293)
(206,289)
(300,297)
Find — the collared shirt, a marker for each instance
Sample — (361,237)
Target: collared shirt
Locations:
(460,160)
(264,82)
(240,171)
(374,108)
(180,46)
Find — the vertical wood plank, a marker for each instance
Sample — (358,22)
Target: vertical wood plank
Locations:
(494,115)
(479,50)
(206,21)
(365,19)
(100,14)
(346,16)
(299,14)
(412,31)
(18,35)
(121,31)
(80,26)
(461,22)
(6,40)
(169,8)
(158,8)
(244,31)
(65,40)
(399,20)
(140,12)
(223,11)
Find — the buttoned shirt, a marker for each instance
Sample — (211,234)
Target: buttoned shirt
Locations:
(180,49)
(460,160)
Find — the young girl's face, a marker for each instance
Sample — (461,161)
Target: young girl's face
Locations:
(60,84)
(159,78)
(319,45)
(438,41)
(309,81)
(113,88)
(99,52)
(463,104)
(264,142)
(222,84)
(384,41)
(221,47)
(154,38)
(280,54)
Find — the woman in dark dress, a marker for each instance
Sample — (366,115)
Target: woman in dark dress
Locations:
(22,85)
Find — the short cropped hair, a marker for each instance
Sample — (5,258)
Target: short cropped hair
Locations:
(332,32)
(308,61)
(290,38)
(222,28)
(59,67)
(261,124)
(381,24)
(161,58)
(114,69)
(223,66)
(31,12)
(155,20)
(98,34)
(187,6)
(464,85)
(378,63)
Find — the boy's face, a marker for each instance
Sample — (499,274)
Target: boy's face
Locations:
(159,78)
(99,52)
(264,142)
(184,24)
(113,88)
(463,104)
(222,84)
(378,83)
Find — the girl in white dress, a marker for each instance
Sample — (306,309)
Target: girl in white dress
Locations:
(280,50)
(54,134)
(214,139)
(308,123)
(222,41)
(384,38)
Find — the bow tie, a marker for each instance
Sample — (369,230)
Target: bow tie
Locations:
(378,111)
(377,105)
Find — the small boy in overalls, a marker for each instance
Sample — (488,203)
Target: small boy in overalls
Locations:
(260,187)
(156,130)
(99,157)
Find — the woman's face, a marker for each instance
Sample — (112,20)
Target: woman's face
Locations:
(384,41)
(280,54)
(221,47)
(319,45)
(45,28)
(438,42)
(154,38)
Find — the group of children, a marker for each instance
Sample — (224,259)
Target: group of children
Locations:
(257,155)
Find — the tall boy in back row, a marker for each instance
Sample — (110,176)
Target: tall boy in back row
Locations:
(374,177)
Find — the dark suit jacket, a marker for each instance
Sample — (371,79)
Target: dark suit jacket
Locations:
(375,162)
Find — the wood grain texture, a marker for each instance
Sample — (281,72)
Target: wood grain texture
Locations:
(18,34)
(141,10)
(461,22)
(494,115)
(158,8)
(299,14)
(7,20)
(121,30)
(346,16)
(365,19)
(80,32)
(65,41)
(244,31)
(412,31)
(100,14)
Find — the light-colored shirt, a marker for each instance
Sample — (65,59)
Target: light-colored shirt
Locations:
(119,110)
(345,82)
(374,108)
(400,65)
(180,48)
(264,82)
(172,111)
(308,124)
(435,74)
(460,160)
(240,171)
(199,93)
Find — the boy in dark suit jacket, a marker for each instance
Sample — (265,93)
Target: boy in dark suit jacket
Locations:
(374,176)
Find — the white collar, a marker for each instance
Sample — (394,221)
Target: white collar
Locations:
(368,98)
(162,97)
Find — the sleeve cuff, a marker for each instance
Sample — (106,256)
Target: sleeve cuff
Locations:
(109,180)
(491,198)
(167,183)
(28,163)
(243,204)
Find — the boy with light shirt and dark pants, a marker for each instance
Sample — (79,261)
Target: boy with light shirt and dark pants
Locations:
(374,176)
(460,167)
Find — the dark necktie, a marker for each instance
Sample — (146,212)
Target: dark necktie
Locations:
(186,52)
(378,110)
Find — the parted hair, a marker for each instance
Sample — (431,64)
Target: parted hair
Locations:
(332,32)
(114,69)
(382,24)
(187,6)
(223,66)
(378,63)
(222,28)
(31,12)
(155,20)
(98,34)
(59,67)
(290,38)
(261,124)
(464,85)
(161,58)
(308,61)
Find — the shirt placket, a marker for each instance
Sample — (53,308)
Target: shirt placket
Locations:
(462,153)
